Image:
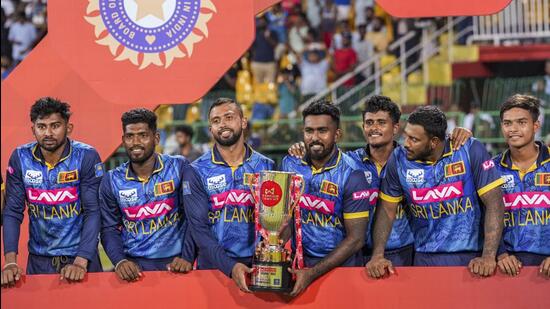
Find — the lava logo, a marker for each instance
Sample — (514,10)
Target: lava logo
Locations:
(527,200)
(415,176)
(437,194)
(150,28)
(233,197)
(312,202)
(33,177)
(52,197)
(128,196)
(370,195)
(151,210)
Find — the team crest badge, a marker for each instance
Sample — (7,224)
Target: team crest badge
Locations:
(163,188)
(149,32)
(455,169)
(542,179)
(64,177)
(329,188)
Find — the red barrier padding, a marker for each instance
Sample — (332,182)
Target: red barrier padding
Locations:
(413,287)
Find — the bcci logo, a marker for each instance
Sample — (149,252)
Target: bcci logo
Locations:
(150,31)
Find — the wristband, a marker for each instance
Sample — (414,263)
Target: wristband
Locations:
(9,264)
(123,260)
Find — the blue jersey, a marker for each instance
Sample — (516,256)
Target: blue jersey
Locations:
(62,201)
(221,207)
(145,218)
(336,192)
(443,196)
(527,203)
(401,234)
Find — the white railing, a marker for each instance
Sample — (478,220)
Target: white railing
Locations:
(521,19)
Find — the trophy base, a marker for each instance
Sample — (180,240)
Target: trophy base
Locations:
(271,277)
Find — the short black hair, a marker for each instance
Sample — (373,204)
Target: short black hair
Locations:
(139,115)
(323,107)
(46,106)
(185,129)
(377,103)
(221,101)
(432,119)
(526,102)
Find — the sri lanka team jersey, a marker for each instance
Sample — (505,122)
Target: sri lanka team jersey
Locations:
(62,201)
(527,203)
(336,192)
(401,234)
(146,214)
(443,196)
(230,203)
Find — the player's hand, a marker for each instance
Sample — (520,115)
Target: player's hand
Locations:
(128,271)
(74,272)
(483,266)
(303,280)
(379,267)
(509,264)
(238,274)
(179,265)
(297,150)
(459,136)
(10,275)
(544,268)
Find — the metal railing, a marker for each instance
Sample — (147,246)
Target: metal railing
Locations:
(521,19)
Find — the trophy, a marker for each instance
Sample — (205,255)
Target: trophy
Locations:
(276,195)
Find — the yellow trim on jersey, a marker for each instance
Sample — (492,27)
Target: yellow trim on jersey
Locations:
(356,215)
(523,173)
(491,186)
(391,199)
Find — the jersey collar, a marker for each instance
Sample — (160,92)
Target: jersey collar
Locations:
(543,158)
(159,165)
(37,154)
(218,159)
(447,151)
(366,157)
(332,163)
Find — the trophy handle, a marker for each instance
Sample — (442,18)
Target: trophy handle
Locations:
(255,188)
(298,187)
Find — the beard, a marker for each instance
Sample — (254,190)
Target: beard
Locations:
(321,154)
(422,155)
(229,141)
(140,159)
(51,145)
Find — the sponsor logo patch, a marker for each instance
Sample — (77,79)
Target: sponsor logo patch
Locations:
(329,188)
(52,197)
(314,203)
(99,169)
(368,177)
(65,177)
(128,196)
(151,210)
(33,177)
(527,200)
(509,182)
(415,176)
(216,182)
(455,169)
(542,179)
(233,197)
(270,193)
(438,194)
(186,188)
(489,164)
(165,187)
(370,195)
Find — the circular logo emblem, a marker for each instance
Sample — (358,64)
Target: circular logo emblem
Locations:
(270,193)
(150,27)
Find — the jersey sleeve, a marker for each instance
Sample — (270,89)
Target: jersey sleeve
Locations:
(390,187)
(91,174)
(486,175)
(111,222)
(355,206)
(15,204)
(196,205)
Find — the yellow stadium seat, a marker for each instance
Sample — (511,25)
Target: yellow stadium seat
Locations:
(415,78)
(390,79)
(417,95)
(393,92)
(439,73)
(386,60)
(465,53)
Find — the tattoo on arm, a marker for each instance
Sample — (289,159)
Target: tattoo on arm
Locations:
(385,214)
(494,220)
(354,241)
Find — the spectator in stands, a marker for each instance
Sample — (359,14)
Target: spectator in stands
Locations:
(363,48)
(360,7)
(313,13)
(343,9)
(22,36)
(297,34)
(337,39)
(263,64)
(314,66)
(369,17)
(287,93)
(328,22)
(5,47)
(183,138)
(345,59)
(378,36)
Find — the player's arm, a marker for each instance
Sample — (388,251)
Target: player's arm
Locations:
(356,212)
(196,204)
(391,194)
(89,187)
(13,216)
(111,235)
(488,182)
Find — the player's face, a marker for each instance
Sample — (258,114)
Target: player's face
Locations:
(379,128)
(320,136)
(518,127)
(140,142)
(418,144)
(227,124)
(51,131)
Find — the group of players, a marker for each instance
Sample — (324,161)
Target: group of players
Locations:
(437,200)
